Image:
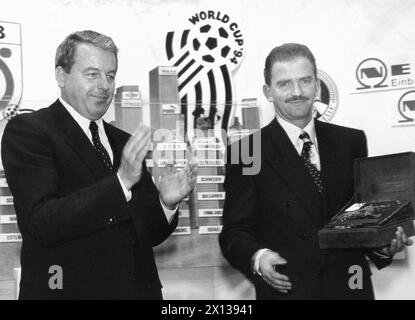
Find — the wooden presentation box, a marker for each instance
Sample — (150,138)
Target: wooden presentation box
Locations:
(384,194)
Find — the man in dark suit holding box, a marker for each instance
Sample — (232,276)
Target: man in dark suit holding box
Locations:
(86,206)
(271,220)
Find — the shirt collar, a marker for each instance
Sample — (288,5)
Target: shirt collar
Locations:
(81,120)
(294,132)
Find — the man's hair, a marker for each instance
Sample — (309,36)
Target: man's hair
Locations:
(285,52)
(65,53)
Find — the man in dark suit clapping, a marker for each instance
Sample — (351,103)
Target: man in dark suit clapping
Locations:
(86,205)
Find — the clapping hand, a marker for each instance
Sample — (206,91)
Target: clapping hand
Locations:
(133,155)
(174,184)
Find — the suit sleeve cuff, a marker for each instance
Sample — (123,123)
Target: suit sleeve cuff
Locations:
(127,193)
(382,255)
(255,260)
(169,213)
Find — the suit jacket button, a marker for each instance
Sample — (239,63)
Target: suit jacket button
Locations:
(303,236)
(112,220)
(286,203)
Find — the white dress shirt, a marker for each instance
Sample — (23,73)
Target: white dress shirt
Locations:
(293,133)
(84,124)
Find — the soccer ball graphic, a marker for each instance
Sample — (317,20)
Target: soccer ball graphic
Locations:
(212,44)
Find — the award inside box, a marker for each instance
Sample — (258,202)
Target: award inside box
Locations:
(384,194)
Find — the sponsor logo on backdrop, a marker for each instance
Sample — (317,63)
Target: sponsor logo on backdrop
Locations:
(386,73)
(406,109)
(326,105)
(10,68)
(371,73)
(206,52)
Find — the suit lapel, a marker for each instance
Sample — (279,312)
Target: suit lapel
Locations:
(284,159)
(329,159)
(79,142)
(117,139)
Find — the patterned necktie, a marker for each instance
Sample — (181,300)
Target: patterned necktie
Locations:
(99,148)
(305,154)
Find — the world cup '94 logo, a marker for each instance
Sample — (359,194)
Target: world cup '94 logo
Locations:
(206,52)
(213,43)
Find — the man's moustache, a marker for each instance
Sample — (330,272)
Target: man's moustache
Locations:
(295,99)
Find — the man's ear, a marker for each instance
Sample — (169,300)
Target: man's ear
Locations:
(267,92)
(60,76)
(318,89)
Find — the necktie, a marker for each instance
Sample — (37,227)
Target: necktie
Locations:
(305,154)
(99,148)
